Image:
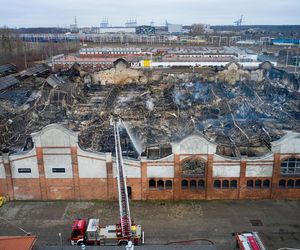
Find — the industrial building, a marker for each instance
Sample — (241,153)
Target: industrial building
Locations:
(109,52)
(57,168)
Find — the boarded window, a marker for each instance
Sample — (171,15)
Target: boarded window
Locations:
(169,184)
(258,184)
(233,184)
(24,170)
(193,168)
(266,184)
(225,184)
(152,184)
(290,183)
(201,184)
(193,184)
(250,184)
(58,170)
(160,184)
(184,184)
(282,184)
(217,184)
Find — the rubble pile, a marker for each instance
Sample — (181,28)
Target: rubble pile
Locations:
(242,116)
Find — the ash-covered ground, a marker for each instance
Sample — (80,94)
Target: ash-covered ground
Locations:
(243,116)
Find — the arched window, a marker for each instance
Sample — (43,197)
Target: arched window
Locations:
(152,184)
(297,185)
(160,185)
(201,184)
(290,183)
(290,166)
(250,184)
(225,184)
(169,184)
(184,184)
(193,184)
(193,168)
(257,183)
(282,184)
(266,184)
(217,184)
(233,184)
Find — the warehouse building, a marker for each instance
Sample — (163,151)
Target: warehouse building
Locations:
(58,169)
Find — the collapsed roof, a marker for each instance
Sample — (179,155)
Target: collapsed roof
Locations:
(242,117)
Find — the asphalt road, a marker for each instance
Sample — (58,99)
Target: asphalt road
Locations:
(278,222)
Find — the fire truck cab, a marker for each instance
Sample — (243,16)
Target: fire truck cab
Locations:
(78,231)
(249,241)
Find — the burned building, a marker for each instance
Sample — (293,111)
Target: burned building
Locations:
(227,134)
(57,168)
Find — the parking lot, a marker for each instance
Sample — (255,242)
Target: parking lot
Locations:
(278,222)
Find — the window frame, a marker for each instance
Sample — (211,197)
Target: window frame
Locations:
(290,167)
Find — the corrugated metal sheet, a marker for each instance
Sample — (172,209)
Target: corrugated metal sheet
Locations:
(8,81)
(7,68)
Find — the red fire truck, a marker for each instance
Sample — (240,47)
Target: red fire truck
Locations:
(249,241)
(91,232)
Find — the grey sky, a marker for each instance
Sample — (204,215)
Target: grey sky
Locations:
(38,13)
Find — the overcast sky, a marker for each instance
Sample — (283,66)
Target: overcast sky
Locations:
(45,13)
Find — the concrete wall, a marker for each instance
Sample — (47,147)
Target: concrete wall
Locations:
(92,175)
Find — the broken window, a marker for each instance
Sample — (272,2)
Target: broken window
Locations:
(193,167)
(233,184)
(217,184)
(290,183)
(160,185)
(184,184)
(225,184)
(266,184)
(152,184)
(290,166)
(193,184)
(250,184)
(201,184)
(297,185)
(282,183)
(258,184)
(169,184)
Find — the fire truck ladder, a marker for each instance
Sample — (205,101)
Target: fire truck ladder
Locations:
(122,187)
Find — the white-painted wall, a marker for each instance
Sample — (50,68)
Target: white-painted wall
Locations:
(91,168)
(24,160)
(160,171)
(290,146)
(259,171)
(91,165)
(58,161)
(132,169)
(194,145)
(226,171)
(2,170)
(55,135)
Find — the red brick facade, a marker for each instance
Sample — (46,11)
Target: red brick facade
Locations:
(211,185)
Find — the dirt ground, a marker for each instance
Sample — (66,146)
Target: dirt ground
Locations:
(277,221)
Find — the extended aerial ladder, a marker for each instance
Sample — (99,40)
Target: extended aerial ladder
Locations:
(122,186)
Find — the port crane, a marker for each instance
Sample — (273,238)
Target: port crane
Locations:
(126,232)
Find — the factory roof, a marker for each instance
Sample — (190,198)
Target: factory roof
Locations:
(7,68)
(8,81)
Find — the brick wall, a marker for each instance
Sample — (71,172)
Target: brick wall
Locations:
(92,177)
